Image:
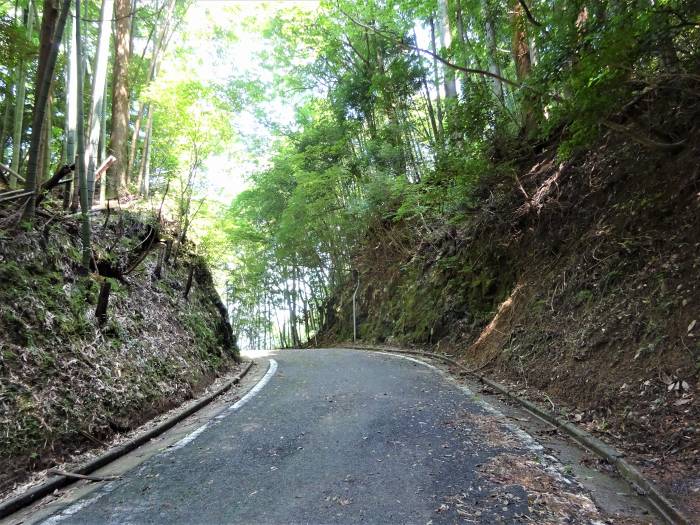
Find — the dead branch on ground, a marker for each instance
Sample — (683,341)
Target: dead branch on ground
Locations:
(57,472)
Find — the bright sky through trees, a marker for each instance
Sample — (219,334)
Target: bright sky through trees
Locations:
(223,44)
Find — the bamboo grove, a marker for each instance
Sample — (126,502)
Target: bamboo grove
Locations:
(78,106)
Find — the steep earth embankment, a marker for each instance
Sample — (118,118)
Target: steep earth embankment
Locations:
(69,382)
(574,280)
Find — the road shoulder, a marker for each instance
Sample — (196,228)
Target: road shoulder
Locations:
(611,494)
(63,498)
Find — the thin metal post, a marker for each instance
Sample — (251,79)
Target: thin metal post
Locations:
(354,309)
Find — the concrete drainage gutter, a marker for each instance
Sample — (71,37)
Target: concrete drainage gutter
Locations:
(58,482)
(631,474)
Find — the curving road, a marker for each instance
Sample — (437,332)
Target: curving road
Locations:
(340,436)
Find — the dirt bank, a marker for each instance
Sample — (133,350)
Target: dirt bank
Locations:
(67,382)
(577,279)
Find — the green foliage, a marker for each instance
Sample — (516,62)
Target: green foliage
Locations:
(583,296)
(202,330)
(15,45)
(370,148)
(599,56)
(374,141)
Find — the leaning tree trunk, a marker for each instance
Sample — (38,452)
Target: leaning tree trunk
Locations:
(48,28)
(45,147)
(42,95)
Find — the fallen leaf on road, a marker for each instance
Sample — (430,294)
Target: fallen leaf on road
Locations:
(549,493)
(343,502)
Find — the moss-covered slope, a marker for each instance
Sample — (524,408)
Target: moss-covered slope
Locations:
(67,383)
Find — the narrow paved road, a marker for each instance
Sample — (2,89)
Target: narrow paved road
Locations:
(340,436)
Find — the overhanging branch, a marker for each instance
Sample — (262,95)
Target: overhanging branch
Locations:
(406,45)
(528,14)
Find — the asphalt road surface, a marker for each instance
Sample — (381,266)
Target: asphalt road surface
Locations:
(341,436)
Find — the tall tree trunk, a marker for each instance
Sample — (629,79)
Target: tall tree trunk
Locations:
(47,135)
(446,43)
(47,32)
(5,121)
(98,88)
(4,131)
(139,179)
(291,308)
(48,28)
(102,149)
(490,32)
(667,49)
(534,54)
(134,144)
(158,46)
(396,138)
(42,95)
(132,28)
(80,154)
(459,19)
(21,83)
(414,149)
(71,111)
(82,77)
(436,83)
(523,65)
(521,46)
(305,315)
(120,94)
(295,321)
(145,176)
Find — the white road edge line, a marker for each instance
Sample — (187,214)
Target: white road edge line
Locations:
(529,441)
(410,359)
(77,506)
(238,404)
(253,391)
